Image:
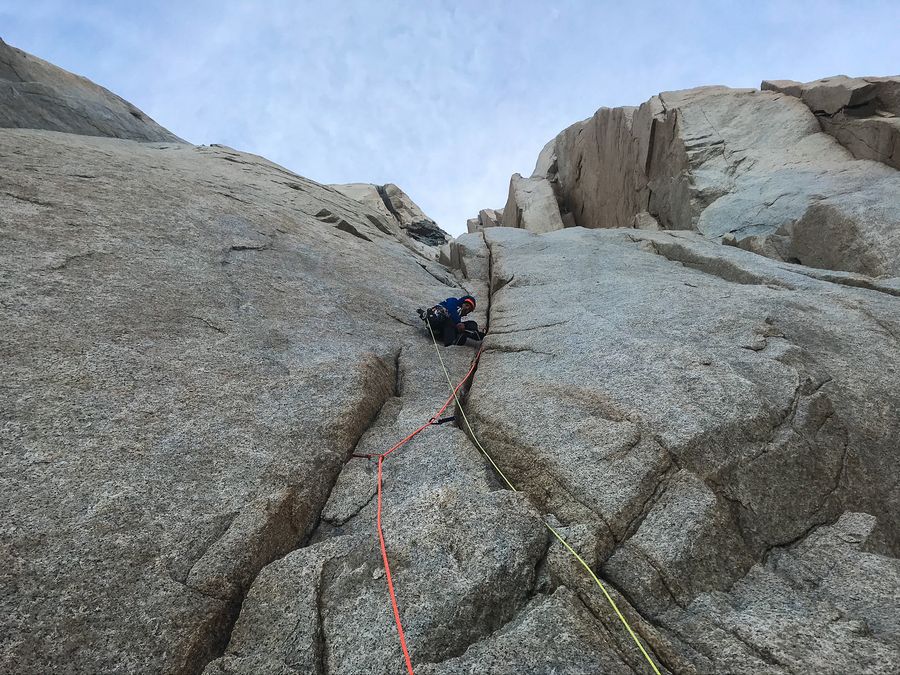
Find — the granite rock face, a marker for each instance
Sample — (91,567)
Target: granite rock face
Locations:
(35,94)
(699,409)
(697,420)
(369,195)
(396,210)
(490,218)
(204,352)
(829,601)
(486,218)
(464,554)
(195,339)
(862,113)
(752,166)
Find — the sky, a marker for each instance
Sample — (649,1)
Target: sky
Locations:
(445,99)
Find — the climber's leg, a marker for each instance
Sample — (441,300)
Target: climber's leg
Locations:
(470,333)
(449,333)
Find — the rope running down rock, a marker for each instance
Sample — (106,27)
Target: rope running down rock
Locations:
(512,487)
(435,420)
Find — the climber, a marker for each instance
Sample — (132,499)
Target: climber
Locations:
(446,322)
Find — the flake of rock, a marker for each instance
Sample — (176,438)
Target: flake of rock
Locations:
(531,205)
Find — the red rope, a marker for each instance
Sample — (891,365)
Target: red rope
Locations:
(390,581)
(384,556)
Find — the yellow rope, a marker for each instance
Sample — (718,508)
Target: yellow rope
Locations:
(549,527)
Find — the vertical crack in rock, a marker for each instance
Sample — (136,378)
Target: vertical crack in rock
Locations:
(388,204)
(490,285)
(653,636)
(662,484)
(398,380)
(321,644)
(616,647)
(216,643)
(519,604)
(616,643)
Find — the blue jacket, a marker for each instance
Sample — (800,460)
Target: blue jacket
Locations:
(453,305)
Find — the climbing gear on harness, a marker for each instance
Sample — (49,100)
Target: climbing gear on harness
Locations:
(553,530)
(444,420)
(471,332)
(439,321)
(437,313)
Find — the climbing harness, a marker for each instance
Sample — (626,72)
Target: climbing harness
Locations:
(435,420)
(512,487)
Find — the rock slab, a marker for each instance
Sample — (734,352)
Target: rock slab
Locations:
(35,94)
(190,353)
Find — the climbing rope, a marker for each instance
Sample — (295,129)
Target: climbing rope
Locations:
(512,487)
(434,421)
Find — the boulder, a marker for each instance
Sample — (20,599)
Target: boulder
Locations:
(645,221)
(485,218)
(531,205)
(862,113)
(35,94)
(490,218)
(828,95)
